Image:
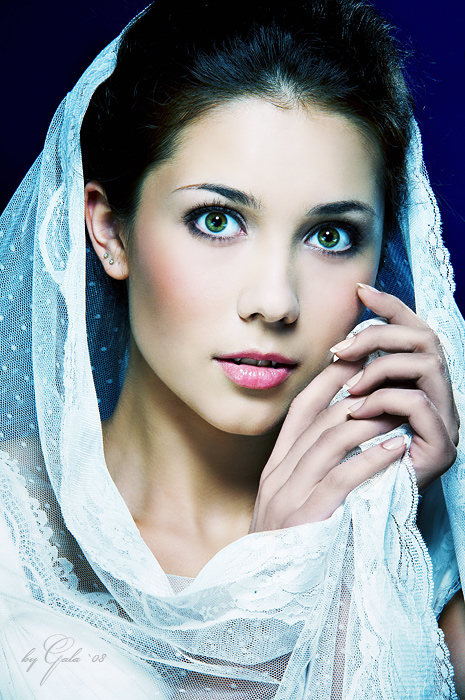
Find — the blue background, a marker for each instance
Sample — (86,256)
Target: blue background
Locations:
(46,46)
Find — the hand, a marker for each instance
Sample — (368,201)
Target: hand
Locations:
(304,479)
(418,386)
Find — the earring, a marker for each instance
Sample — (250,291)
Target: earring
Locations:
(105,256)
(111,261)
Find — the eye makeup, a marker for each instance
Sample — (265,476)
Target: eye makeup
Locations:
(338,237)
(329,236)
(199,225)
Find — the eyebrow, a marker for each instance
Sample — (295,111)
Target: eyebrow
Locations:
(334,208)
(239,197)
(236,196)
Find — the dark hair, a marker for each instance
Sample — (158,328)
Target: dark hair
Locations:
(176,63)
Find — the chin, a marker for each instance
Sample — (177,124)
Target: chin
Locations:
(251,426)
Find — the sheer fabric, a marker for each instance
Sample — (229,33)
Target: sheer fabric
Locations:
(334,610)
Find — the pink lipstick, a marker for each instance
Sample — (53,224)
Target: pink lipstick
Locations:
(256,370)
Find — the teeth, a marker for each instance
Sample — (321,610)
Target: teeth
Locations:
(254,363)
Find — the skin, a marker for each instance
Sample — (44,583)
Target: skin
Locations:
(199,460)
(192,299)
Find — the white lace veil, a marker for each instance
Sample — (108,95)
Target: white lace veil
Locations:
(339,609)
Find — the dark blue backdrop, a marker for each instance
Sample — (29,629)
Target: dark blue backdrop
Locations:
(46,46)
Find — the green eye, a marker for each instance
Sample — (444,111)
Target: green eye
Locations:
(328,237)
(216,222)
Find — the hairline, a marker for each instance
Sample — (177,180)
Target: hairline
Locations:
(311,106)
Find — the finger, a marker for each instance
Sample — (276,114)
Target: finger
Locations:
(388,338)
(397,314)
(333,445)
(331,417)
(388,306)
(279,495)
(413,404)
(288,486)
(331,491)
(327,440)
(432,449)
(426,370)
(309,404)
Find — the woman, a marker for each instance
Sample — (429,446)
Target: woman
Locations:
(243,190)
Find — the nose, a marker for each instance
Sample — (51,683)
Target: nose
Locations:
(269,290)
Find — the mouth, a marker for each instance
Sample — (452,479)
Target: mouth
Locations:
(255,370)
(256,363)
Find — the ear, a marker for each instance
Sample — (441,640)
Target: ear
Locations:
(105,232)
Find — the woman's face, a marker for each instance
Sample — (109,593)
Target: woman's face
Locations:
(247,248)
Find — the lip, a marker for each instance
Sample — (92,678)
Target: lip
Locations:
(253,377)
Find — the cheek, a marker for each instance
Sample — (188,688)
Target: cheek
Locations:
(342,311)
(332,303)
(169,289)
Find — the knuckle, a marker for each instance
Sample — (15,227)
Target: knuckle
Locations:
(451,455)
(335,480)
(420,399)
(432,338)
(384,395)
(338,440)
(435,364)
(455,436)
(326,439)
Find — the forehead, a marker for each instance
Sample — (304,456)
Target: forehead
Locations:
(271,152)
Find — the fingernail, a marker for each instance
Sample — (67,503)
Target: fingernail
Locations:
(343,345)
(367,286)
(353,380)
(355,406)
(395,443)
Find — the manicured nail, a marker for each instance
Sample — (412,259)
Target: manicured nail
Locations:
(395,443)
(343,345)
(355,406)
(367,286)
(353,380)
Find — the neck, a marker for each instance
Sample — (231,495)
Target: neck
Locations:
(175,470)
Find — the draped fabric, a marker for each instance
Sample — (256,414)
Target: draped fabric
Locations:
(341,609)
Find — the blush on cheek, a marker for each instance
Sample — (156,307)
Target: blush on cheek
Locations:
(171,288)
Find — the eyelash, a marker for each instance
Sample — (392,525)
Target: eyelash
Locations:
(191,217)
(355,232)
